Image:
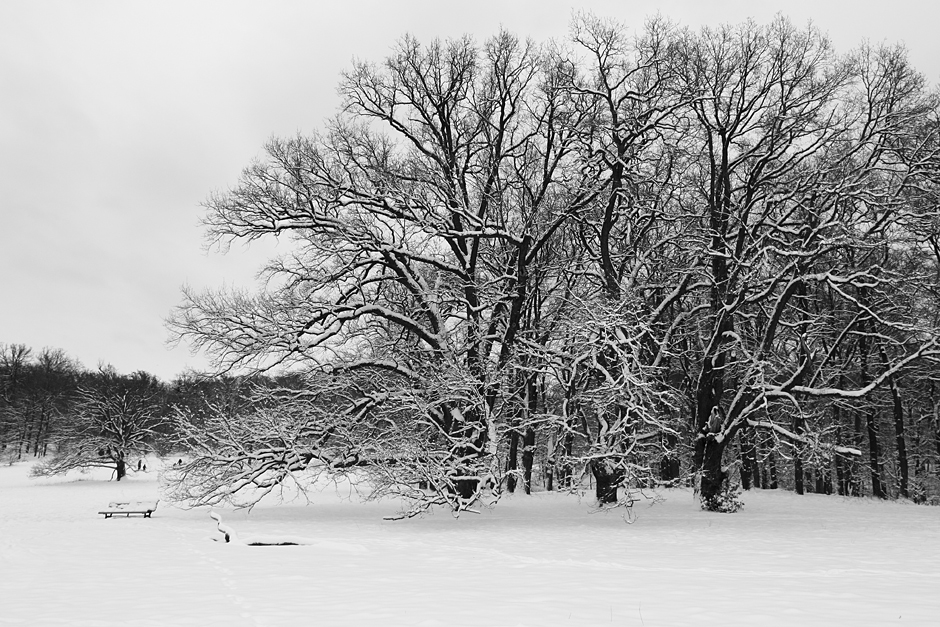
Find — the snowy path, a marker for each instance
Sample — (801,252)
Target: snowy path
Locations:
(541,560)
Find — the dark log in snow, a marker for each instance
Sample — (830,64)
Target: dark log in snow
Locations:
(232,537)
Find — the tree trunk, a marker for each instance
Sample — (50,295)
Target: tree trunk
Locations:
(43,420)
(760,470)
(820,483)
(607,482)
(841,485)
(917,487)
(903,468)
(568,447)
(877,487)
(747,457)
(755,462)
(853,465)
(713,476)
(669,469)
(936,435)
(528,455)
(512,463)
(898,407)
(772,462)
(798,474)
(24,436)
(551,462)
(531,409)
(466,488)
(121,468)
(841,479)
(709,422)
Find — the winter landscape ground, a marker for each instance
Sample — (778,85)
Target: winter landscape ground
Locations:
(546,559)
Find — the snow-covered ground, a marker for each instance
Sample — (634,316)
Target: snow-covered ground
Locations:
(546,559)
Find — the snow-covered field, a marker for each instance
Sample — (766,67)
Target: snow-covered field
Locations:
(546,559)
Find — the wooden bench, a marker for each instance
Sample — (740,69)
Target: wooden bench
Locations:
(144,508)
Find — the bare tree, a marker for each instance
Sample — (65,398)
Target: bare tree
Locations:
(417,218)
(114,420)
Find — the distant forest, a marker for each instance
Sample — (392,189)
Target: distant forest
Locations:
(625,260)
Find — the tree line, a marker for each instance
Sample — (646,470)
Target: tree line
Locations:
(629,259)
(67,417)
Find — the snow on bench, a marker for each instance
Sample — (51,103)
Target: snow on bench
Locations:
(127,508)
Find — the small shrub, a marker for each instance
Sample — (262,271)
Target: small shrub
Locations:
(726,502)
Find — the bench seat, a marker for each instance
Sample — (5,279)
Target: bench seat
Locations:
(117,508)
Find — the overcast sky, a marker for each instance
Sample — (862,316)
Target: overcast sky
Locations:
(118,118)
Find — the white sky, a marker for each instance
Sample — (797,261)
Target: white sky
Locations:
(118,118)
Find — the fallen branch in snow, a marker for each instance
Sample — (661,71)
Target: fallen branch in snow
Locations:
(232,538)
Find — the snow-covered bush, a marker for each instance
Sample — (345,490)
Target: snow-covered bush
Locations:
(727,501)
